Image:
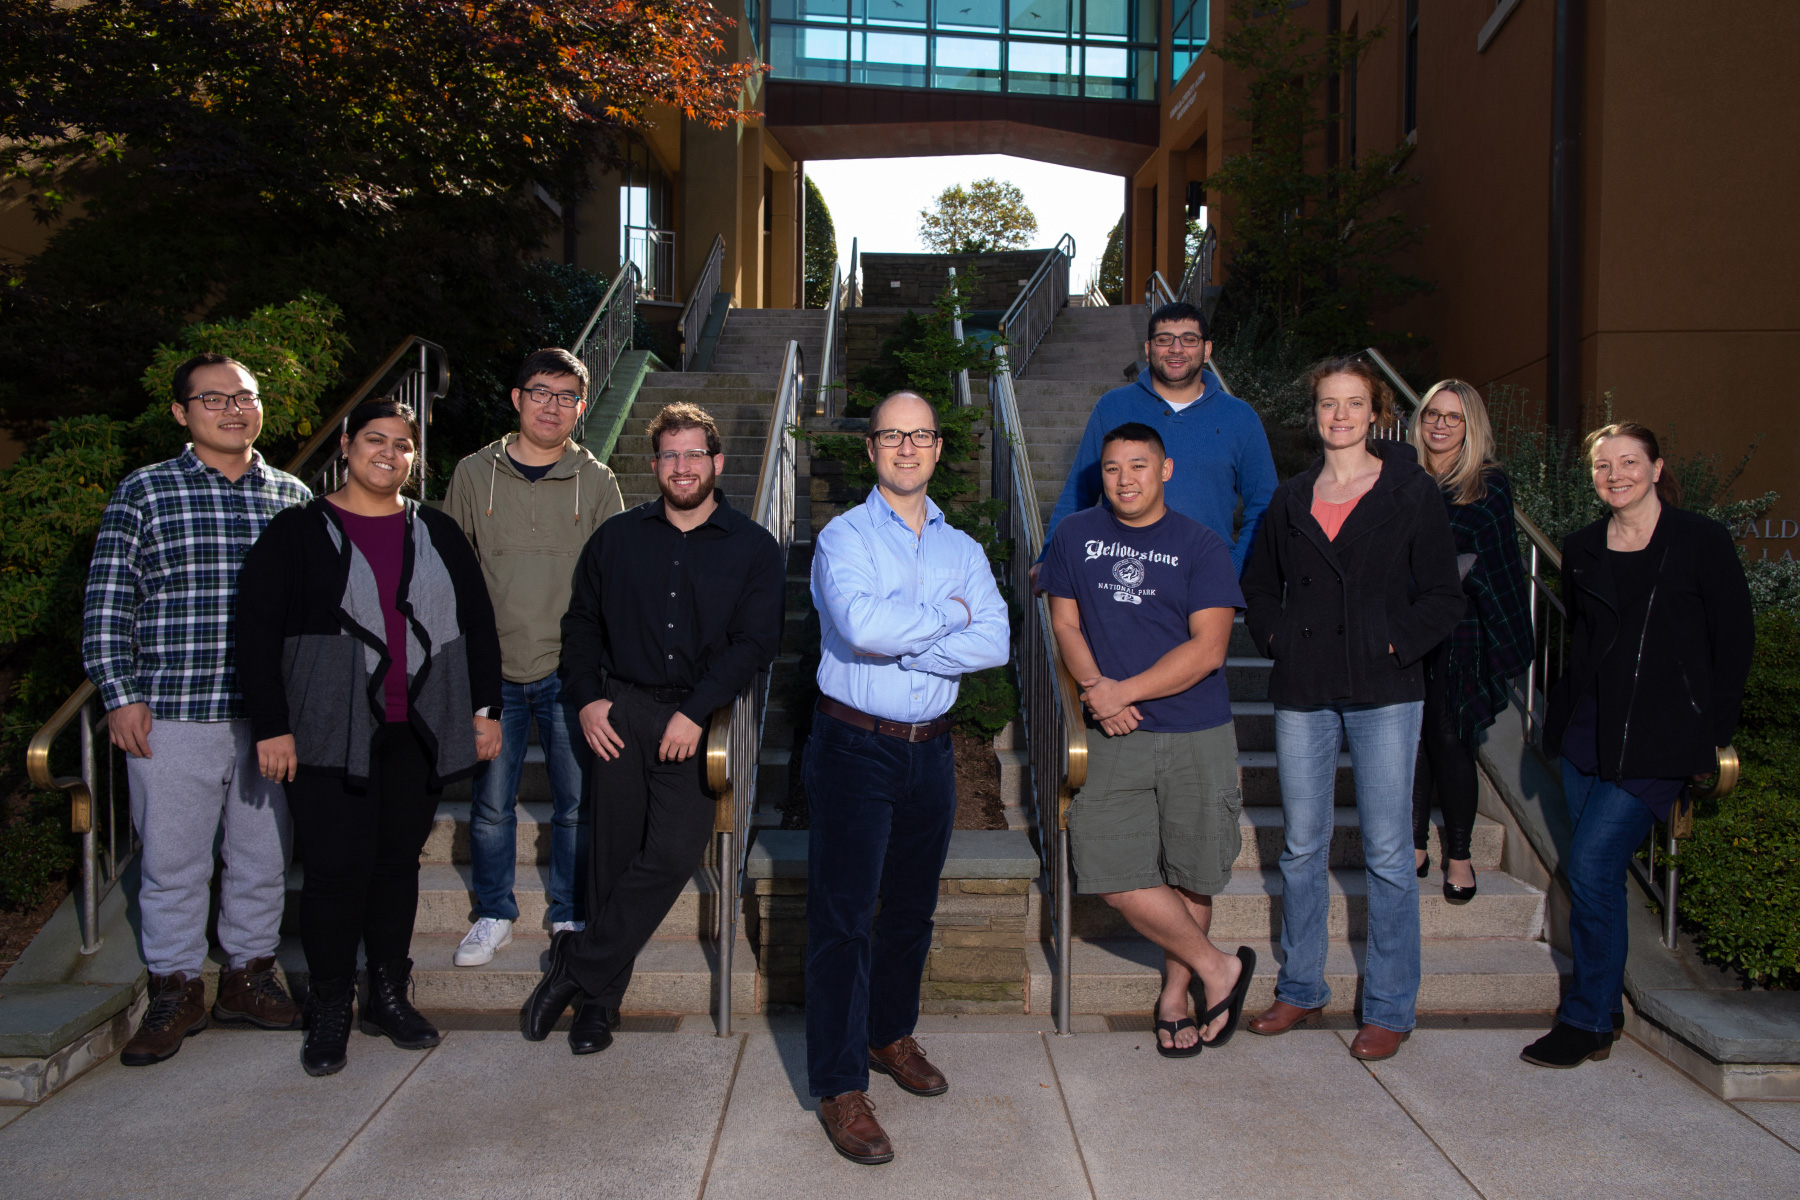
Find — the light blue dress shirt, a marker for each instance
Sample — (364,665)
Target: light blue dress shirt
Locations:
(887,593)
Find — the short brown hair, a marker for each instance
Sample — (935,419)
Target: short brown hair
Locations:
(1381,396)
(674,417)
(1668,488)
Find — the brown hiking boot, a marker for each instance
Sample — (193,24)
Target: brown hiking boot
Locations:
(253,995)
(177,1010)
(849,1121)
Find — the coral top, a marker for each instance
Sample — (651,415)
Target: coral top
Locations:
(1331,517)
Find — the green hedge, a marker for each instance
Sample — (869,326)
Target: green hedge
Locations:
(1740,874)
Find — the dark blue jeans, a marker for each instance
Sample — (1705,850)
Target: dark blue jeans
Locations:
(1609,825)
(882,810)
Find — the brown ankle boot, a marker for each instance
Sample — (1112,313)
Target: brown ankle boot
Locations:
(177,1010)
(253,995)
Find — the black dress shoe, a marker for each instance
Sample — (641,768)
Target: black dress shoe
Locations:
(552,996)
(592,1029)
(1565,1046)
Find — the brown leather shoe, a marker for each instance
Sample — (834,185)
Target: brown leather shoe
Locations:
(905,1063)
(252,995)
(1280,1017)
(1374,1043)
(177,1010)
(850,1122)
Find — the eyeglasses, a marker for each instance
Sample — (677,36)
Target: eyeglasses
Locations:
(692,458)
(1188,340)
(1437,416)
(543,395)
(216,401)
(887,439)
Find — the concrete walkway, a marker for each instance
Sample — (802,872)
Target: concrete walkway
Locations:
(1099,1115)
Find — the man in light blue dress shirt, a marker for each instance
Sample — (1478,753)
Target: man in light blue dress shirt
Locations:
(907,605)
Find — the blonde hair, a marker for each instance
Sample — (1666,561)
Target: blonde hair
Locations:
(1464,481)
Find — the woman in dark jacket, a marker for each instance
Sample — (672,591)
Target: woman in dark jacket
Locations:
(371,671)
(1351,583)
(1467,675)
(1660,639)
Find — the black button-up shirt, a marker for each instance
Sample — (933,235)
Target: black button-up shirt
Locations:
(660,607)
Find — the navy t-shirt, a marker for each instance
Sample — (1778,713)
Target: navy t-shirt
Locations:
(1136,588)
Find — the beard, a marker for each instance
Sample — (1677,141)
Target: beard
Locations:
(694,500)
(1162,375)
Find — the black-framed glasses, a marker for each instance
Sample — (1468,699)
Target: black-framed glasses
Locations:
(686,458)
(1437,416)
(888,439)
(217,401)
(1188,341)
(543,395)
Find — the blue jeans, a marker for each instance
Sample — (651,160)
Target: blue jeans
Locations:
(1609,824)
(882,810)
(493,819)
(1384,743)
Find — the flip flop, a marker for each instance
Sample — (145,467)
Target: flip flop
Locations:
(1174,1027)
(1234,1003)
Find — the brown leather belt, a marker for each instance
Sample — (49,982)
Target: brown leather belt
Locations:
(924,731)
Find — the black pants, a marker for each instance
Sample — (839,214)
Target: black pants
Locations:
(360,853)
(1449,766)
(647,832)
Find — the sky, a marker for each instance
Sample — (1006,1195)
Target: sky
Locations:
(878,200)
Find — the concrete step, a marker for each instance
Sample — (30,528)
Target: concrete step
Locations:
(1246,676)
(1261,782)
(1250,907)
(447,900)
(737,446)
(764,381)
(1264,835)
(1457,975)
(726,405)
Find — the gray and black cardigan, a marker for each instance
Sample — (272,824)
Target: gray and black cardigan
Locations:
(312,647)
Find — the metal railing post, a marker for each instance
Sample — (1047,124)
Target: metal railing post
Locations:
(727,928)
(1670,872)
(1065,939)
(90,838)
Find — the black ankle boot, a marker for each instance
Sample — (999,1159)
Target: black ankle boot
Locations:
(1565,1046)
(327,1020)
(389,1013)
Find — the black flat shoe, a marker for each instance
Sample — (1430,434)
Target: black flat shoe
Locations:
(1233,1004)
(1565,1047)
(592,1029)
(552,996)
(1172,1028)
(1455,893)
(1425,867)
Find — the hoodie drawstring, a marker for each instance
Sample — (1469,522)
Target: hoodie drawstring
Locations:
(492,475)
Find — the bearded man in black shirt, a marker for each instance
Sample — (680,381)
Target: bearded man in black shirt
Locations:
(677,604)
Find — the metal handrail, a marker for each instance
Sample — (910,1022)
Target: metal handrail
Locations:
(1095,296)
(853,281)
(963,399)
(1055,730)
(734,735)
(699,303)
(607,334)
(828,358)
(1157,292)
(99,873)
(1029,317)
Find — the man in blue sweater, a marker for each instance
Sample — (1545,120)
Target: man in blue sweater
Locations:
(1220,452)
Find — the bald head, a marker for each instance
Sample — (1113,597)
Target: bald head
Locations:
(912,410)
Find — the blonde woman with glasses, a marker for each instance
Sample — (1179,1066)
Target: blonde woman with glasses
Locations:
(1466,677)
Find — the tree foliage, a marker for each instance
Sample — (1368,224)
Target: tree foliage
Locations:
(1111,275)
(1312,245)
(210,157)
(987,215)
(821,247)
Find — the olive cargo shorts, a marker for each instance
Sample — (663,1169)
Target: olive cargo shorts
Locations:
(1158,808)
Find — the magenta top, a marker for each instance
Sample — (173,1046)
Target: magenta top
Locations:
(382,541)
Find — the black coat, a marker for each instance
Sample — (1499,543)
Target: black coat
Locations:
(1665,706)
(1327,611)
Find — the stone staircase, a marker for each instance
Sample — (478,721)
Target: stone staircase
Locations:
(1487,956)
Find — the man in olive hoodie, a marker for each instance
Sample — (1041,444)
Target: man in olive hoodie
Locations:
(528,504)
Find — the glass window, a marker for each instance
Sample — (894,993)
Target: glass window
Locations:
(1041,68)
(970,15)
(1040,16)
(897,12)
(966,64)
(895,59)
(1188,35)
(809,10)
(1124,20)
(1116,73)
(800,52)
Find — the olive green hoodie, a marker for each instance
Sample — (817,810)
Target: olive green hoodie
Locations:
(528,537)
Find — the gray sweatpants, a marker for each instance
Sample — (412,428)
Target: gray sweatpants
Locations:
(199,791)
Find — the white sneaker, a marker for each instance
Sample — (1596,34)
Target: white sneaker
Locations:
(485,938)
(557,927)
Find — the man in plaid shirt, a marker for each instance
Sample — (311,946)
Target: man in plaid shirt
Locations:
(157,641)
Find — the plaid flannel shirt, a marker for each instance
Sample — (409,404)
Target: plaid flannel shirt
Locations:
(162,588)
(1493,641)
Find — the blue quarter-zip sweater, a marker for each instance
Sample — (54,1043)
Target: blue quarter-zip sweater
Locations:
(1220,450)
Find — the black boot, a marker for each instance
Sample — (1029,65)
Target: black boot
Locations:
(552,996)
(390,1013)
(592,1029)
(327,1020)
(1566,1046)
